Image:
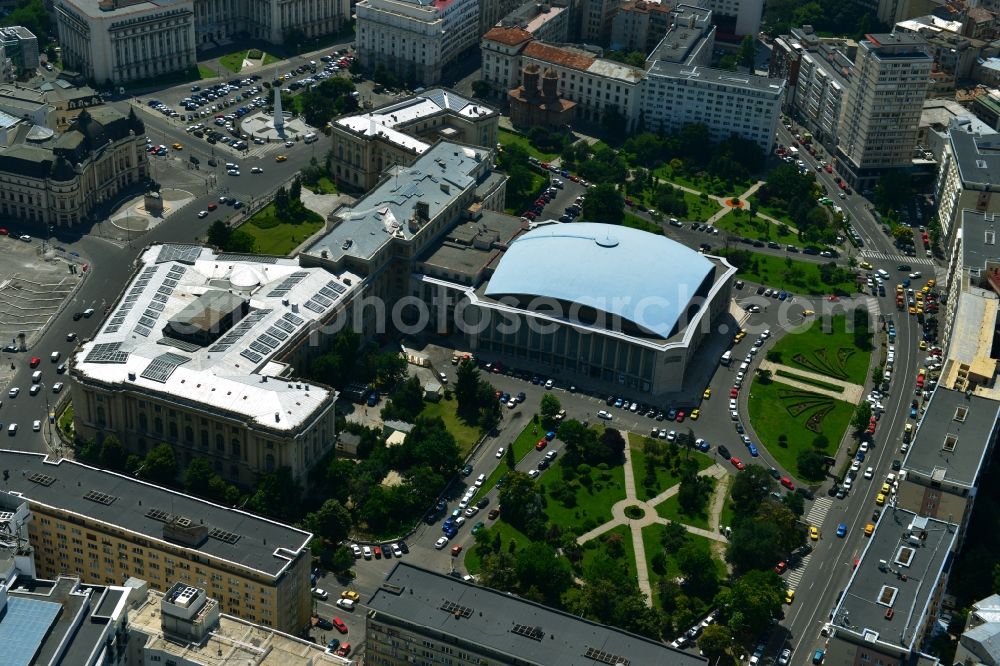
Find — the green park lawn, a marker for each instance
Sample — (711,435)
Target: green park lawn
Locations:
(778,409)
(595,547)
(698,209)
(523,445)
(651,544)
(665,476)
(206,72)
(800,277)
(780,214)
(593,504)
(518,207)
(826,347)
(322,186)
(741,224)
(507,532)
(270,59)
(65,422)
(233,61)
(272,236)
(506,137)
(705,183)
(671,510)
(465,434)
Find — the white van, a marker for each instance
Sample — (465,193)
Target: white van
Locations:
(727,358)
(55,357)
(744,366)
(36,376)
(310,137)
(883,273)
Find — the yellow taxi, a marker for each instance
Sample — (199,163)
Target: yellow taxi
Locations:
(920,310)
(707,394)
(899,289)
(280,158)
(866,265)
(880,499)
(923,344)
(931,282)
(808,313)
(814,533)
(913,311)
(869,528)
(695,413)
(790,596)
(925,289)
(885,489)
(350,594)
(922,372)
(178,146)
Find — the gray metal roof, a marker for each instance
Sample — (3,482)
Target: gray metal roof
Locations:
(948,450)
(419,597)
(130,504)
(719,77)
(980,238)
(977,157)
(910,546)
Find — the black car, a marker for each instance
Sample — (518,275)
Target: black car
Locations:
(774,473)
(805,492)
(467,470)
(739,428)
(386,551)
(904,267)
(324,624)
(10,348)
(896,465)
(723,451)
(77,316)
(760,290)
(810,250)
(483,503)
(876,514)
(610,401)
(404,548)
(543,464)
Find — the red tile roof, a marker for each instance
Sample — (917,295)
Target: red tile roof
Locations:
(508,36)
(558,56)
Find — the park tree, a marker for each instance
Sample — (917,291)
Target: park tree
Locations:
(113,454)
(497,571)
(406,402)
(750,488)
(522,504)
(892,190)
(548,410)
(751,602)
(160,465)
(811,464)
(605,204)
(795,503)
(331,521)
(701,578)
(539,566)
(862,416)
(715,641)
(277,495)
(466,387)
(198,477)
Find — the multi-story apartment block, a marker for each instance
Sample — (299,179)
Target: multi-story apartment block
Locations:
(199,352)
(415,39)
(59,179)
(639,25)
(689,39)
(20,46)
(543,21)
(274,21)
(817,72)
(365,145)
(595,20)
(184,626)
(106,528)
(736,17)
(417,611)
(968,177)
(490,13)
(955,55)
(727,102)
(878,125)
(117,41)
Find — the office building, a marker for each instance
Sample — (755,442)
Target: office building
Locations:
(105,527)
(20,46)
(491,13)
(543,21)
(184,626)
(418,612)
(53,104)
(891,601)
(501,57)
(113,42)
(881,113)
(955,55)
(219,22)
(596,17)
(736,18)
(58,179)
(969,175)
(639,25)
(366,144)
(729,103)
(415,40)
(200,351)
(937,119)
(689,39)
(948,455)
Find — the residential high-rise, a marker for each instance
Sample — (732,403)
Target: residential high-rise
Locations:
(415,40)
(878,126)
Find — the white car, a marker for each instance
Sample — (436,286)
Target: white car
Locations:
(480,479)
(367,551)
(289,144)
(233,172)
(202,214)
(500,452)
(855,465)
(548,384)
(533,474)
(441,542)
(604,415)
(671,436)
(864,447)
(35,389)
(57,387)
(869,473)
(732,404)
(914,275)
(471,511)
(785,656)
(356,549)
(766,334)
(511,404)
(12,429)
(396,550)
(13,392)
(36,425)
(256,170)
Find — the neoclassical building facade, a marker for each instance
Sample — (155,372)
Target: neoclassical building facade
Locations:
(59,179)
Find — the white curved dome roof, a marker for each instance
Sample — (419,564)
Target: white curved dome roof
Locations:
(245,277)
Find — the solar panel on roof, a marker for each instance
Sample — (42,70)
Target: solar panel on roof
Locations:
(160,298)
(156,307)
(144,331)
(535,633)
(100,498)
(169,282)
(160,515)
(161,367)
(149,270)
(261,348)
(605,657)
(322,300)
(257,259)
(253,356)
(219,348)
(41,479)
(276,332)
(336,286)
(187,254)
(179,344)
(315,307)
(112,329)
(285,325)
(455,609)
(224,536)
(131,298)
(163,289)
(269,341)
(117,320)
(147,321)
(106,352)
(293,319)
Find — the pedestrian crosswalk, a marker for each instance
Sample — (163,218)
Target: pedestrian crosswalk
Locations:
(819,509)
(872,304)
(794,575)
(898,258)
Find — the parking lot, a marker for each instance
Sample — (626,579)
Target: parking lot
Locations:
(33,286)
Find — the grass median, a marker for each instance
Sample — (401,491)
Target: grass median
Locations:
(809,380)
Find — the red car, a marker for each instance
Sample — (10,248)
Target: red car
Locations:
(680,416)
(35,361)
(780,567)
(455,550)
(829,169)
(734,392)
(545,165)
(737,463)
(339,625)
(3,232)
(833,298)
(344,649)
(786,482)
(212,206)
(542,443)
